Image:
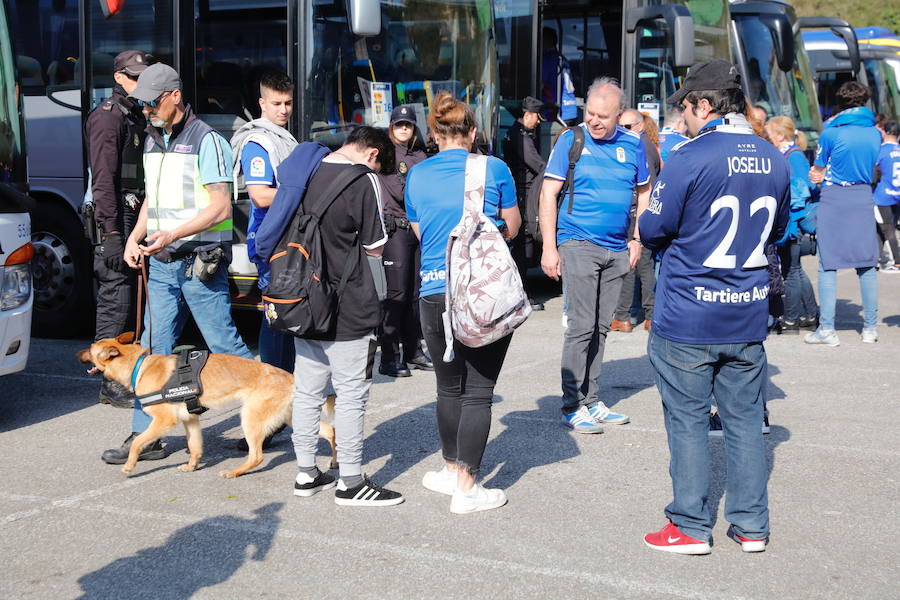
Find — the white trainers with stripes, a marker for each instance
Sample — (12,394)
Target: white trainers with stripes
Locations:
(365,494)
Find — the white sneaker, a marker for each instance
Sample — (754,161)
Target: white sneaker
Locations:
(442,482)
(869,335)
(822,336)
(476,499)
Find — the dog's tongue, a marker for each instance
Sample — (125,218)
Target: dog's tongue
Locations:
(93,371)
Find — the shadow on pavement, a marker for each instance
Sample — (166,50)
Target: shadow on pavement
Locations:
(407,438)
(197,556)
(527,442)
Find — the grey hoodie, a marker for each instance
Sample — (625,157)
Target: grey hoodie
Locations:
(276,141)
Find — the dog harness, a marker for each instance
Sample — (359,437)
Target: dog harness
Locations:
(184,384)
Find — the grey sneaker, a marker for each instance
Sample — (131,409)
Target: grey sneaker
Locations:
(822,336)
(869,335)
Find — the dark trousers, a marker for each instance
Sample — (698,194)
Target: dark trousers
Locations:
(799,298)
(116,297)
(887,229)
(644,271)
(465,388)
(400,324)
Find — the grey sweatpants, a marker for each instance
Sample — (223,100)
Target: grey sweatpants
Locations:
(348,366)
(592,277)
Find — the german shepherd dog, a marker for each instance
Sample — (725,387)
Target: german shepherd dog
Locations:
(265,393)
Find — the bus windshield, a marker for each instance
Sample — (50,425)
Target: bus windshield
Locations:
(778,92)
(425,47)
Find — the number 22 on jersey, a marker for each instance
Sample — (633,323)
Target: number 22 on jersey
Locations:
(720,257)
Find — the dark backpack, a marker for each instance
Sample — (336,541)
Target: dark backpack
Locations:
(300,300)
(533,201)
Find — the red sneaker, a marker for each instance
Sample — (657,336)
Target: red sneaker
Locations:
(747,544)
(670,539)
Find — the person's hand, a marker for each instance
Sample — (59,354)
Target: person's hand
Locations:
(634,253)
(133,254)
(158,240)
(112,251)
(550,263)
(816,176)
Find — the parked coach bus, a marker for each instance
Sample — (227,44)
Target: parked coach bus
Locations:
(352,61)
(15,224)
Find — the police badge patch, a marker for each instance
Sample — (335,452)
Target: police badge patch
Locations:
(257,167)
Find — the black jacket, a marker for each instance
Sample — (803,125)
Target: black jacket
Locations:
(520,151)
(114,132)
(394,184)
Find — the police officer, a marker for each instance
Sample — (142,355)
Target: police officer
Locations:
(115,138)
(400,323)
(719,198)
(522,154)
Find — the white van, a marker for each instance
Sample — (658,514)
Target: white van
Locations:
(16,295)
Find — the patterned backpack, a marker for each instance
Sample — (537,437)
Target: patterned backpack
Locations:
(485,298)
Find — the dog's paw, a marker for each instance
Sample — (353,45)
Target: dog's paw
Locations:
(186,468)
(227,474)
(127,470)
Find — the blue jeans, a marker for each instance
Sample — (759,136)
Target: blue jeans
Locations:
(799,300)
(169,292)
(690,377)
(276,348)
(868,286)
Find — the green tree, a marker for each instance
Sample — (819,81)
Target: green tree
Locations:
(859,13)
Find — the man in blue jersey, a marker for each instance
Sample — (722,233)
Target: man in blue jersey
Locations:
(586,242)
(722,196)
(672,132)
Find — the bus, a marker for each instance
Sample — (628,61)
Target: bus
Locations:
(351,60)
(16,295)
(834,55)
(775,69)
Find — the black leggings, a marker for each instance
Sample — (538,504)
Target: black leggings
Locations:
(888,231)
(465,388)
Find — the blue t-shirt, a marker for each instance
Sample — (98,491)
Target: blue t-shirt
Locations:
(848,153)
(605,178)
(887,192)
(257,170)
(722,196)
(801,190)
(668,139)
(434,199)
(216,158)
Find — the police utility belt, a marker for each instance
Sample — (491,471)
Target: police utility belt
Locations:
(393,223)
(200,261)
(184,384)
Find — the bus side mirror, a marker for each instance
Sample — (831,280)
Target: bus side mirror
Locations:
(784,41)
(840,28)
(679,22)
(364,17)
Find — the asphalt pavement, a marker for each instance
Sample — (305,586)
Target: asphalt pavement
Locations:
(74,527)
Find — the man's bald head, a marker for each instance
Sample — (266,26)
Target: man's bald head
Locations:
(603,105)
(607,87)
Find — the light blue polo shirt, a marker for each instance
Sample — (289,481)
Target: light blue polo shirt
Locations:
(849,153)
(257,170)
(435,191)
(605,178)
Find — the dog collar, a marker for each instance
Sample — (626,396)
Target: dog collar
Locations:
(136,371)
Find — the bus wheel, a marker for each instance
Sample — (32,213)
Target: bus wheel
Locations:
(62,271)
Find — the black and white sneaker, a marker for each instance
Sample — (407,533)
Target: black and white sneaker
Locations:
(307,486)
(365,494)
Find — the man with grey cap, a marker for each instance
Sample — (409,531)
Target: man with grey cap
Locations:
(521,151)
(184,230)
(721,198)
(114,134)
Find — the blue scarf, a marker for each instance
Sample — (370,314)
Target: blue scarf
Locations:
(858,115)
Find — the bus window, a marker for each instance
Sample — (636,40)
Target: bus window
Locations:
(655,77)
(144,25)
(10,123)
(46,42)
(236,42)
(424,48)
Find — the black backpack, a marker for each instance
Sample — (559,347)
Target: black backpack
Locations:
(300,300)
(533,201)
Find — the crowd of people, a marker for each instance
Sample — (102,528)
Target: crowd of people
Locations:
(697,228)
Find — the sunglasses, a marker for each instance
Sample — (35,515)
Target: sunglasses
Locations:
(628,125)
(154,103)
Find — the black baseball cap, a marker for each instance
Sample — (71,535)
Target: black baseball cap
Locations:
(532,104)
(403,114)
(132,62)
(716,74)
(154,81)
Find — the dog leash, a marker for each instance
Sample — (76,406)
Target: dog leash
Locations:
(142,292)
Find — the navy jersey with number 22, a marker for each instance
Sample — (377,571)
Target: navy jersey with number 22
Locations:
(720,199)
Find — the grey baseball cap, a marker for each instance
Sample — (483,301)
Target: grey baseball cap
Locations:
(154,81)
